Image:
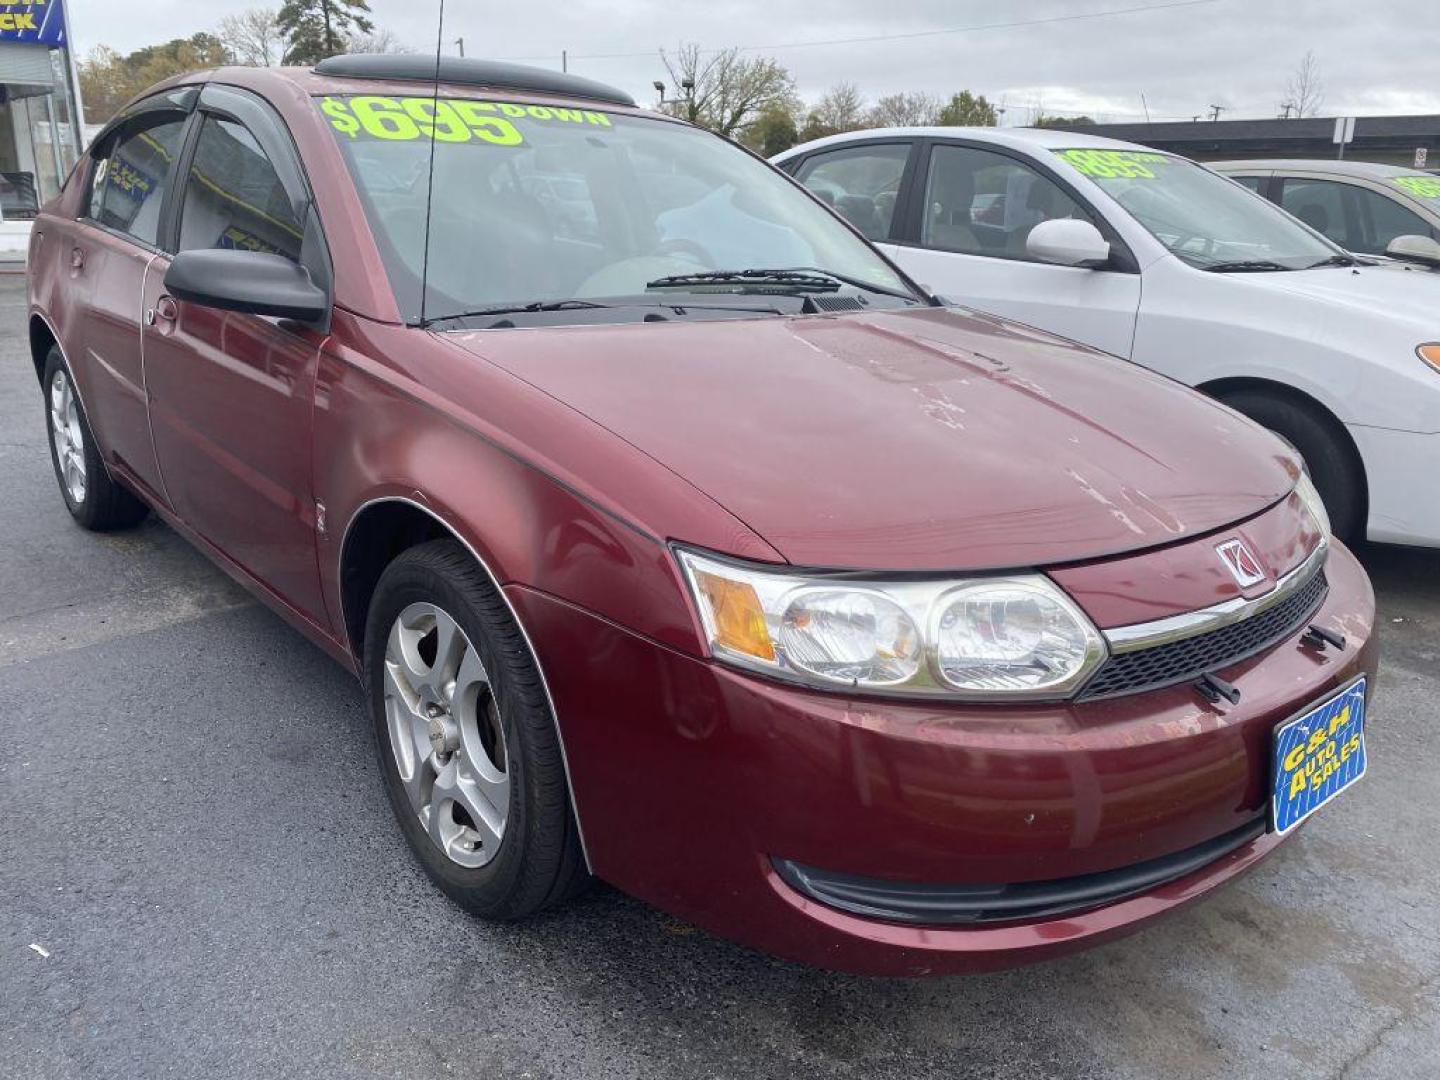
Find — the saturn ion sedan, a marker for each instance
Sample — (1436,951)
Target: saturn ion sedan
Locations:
(678,538)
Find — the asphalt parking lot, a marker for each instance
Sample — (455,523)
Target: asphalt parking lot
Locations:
(199,876)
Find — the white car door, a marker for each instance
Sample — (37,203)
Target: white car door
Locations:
(966,242)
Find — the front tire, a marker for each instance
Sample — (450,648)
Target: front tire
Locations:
(466,740)
(1329,456)
(92,497)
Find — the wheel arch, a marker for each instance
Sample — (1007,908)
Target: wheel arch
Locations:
(383,528)
(1222,388)
(42,340)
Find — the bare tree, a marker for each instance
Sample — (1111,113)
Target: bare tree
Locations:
(1306,90)
(725,91)
(254,37)
(383,40)
(905,110)
(841,109)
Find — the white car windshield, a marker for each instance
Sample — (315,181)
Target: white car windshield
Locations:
(547,214)
(1208,221)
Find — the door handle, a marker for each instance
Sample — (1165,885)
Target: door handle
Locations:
(77,258)
(165,310)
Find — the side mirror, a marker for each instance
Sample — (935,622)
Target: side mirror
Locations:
(1419,249)
(1068,242)
(250,281)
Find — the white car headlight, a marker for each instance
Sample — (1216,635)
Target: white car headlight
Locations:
(1305,488)
(1001,638)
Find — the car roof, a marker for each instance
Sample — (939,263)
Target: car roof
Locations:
(1368,170)
(1016,138)
(400,76)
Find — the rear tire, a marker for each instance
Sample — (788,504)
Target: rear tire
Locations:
(466,739)
(1329,456)
(94,500)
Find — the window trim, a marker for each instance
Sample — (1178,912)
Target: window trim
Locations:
(903,193)
(181,102)
(268,128)
(1122,259)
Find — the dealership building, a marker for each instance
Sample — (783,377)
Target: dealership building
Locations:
(40,123)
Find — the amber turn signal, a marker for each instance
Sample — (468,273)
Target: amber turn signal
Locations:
(737,615)
(1430,354)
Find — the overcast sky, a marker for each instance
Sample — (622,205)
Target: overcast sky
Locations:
(1376,57)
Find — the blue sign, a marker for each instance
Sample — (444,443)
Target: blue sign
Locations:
(40,22)
(1317,756)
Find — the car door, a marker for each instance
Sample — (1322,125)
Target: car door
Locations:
(964,237)
(231,394)
(1384,216)
(1327,206)
(132,169)
(864,183)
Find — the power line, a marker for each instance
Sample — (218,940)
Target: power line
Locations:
(912,35)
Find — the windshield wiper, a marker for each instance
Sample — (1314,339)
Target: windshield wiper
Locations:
(1244,266)
(514,309)
(1336,260)
(800,280)
(675,307)
(859,283)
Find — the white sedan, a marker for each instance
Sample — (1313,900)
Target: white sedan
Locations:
(1155,258)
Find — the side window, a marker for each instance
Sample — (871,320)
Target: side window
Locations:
(1251,182)
(862,182)
(983,203)
(1384,219)
(1321,205)
(233,197)
(128,184)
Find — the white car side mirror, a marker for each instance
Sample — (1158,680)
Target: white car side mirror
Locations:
(1420,249)
(1068,242)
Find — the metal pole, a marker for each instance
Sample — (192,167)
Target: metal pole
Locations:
(460,43)
(565,60)
(55,161)
(72,73)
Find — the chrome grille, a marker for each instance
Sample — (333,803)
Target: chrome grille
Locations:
(1189,658)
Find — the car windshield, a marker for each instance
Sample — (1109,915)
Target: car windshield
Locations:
(1420,186)
(547,215)
(1207,220)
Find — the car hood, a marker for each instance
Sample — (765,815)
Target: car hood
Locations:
(934,439)
(1388,291)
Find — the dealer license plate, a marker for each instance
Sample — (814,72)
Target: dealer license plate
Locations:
(1317,756)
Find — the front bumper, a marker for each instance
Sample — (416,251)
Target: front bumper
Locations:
(1400,471)
(691,779)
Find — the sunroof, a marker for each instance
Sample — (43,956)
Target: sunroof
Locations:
(494,74)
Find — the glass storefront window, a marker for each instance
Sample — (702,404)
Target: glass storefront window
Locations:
(38,133)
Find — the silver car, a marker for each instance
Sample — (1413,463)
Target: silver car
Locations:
(1362,206)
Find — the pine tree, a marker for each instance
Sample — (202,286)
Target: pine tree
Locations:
(316,29)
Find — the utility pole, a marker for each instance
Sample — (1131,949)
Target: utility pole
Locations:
(1287,109)
(460,44)
(1216,110)
(565,60)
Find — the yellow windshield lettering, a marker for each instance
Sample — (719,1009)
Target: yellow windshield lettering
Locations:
(450,120)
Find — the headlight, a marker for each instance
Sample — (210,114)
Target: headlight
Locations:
(986,637)
(1430,354)
(1305,488)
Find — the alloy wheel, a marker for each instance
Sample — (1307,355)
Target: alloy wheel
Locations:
(446,735)
(68,436)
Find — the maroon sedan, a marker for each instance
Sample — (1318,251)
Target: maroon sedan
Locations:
(677,537)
